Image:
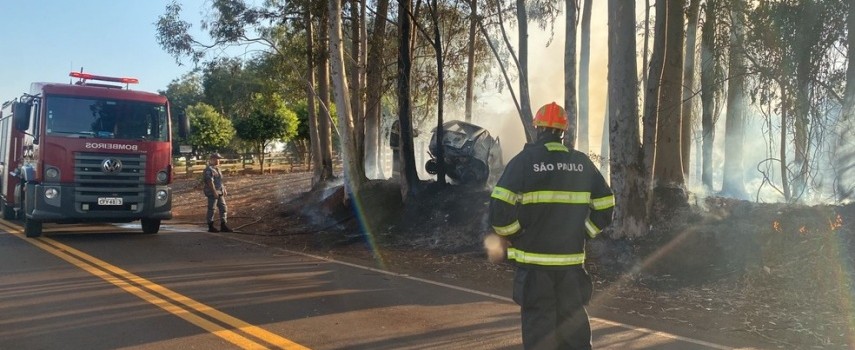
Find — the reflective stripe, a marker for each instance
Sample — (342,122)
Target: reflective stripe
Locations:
(603,203)
(545,259)
(508,230)
(593,230)
(556,197)
(556,147)
(505,195)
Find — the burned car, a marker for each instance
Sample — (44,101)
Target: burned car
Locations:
(471,155)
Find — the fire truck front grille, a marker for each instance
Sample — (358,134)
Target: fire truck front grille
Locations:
(109,176)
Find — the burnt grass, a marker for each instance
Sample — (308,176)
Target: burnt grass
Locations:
(780,273)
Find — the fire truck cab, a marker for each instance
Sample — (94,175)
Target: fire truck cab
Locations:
(86,152)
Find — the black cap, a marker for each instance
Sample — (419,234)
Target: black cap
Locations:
(215,155)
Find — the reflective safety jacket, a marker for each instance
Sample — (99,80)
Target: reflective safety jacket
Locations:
(547,203)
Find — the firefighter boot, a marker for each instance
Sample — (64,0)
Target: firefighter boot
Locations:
(224,228)
(211,228)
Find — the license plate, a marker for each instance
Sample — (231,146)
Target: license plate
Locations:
(109,201)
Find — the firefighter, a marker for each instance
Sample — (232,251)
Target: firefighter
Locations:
(216,193)
(548,202)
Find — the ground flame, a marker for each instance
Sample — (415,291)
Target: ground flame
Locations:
(837,223)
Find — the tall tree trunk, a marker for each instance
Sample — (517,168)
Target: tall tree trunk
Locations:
(525,95)
(644,55)
(374,90)
(355,86)
(583,134)
(688,86)
(324,119)
(570,72)
(785,176)
(353,169)
(314,137)
(733,183)
(806,38)
(604,143)
(651,91)
(470,59)
(669,184)
(709,87)
(627,179)
(844,158)
(410,179)
(440,105)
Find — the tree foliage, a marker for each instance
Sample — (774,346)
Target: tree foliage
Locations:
(268,121)
(793,48)
(211,130)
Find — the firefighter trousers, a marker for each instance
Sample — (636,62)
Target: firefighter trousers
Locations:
(552,304)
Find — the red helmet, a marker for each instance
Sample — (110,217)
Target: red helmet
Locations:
(551,116)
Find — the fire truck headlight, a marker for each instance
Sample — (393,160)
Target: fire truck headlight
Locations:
(51,193)
(162,177)
(161,197)
(52,174)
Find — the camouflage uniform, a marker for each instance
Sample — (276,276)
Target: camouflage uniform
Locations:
(216,194)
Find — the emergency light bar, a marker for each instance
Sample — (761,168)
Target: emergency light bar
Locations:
(87,76)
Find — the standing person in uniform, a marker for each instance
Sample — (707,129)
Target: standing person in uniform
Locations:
(548,202)
(216,193)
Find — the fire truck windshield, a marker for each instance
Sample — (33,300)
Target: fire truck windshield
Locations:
(105,118)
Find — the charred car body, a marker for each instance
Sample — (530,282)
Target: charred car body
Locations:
(471,155)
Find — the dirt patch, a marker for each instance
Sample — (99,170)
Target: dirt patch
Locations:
(782,274)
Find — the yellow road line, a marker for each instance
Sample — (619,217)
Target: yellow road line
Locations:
(83,261)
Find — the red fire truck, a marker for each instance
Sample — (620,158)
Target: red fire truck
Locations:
(86,152)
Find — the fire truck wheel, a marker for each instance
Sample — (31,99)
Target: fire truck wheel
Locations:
(32,228)
(150,226)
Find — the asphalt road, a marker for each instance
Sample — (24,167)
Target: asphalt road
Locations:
(108,287)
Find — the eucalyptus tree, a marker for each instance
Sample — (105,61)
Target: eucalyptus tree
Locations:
(470,59)
(844,158)
(453,25)
(570,16)
(688,85)
(584,78)
(669,183)
(627,168)
(375,79)
(409,176)
(651,91)
(711,86)
(793,50)
(733,182)
(353,169)
(495,20)
(522,63)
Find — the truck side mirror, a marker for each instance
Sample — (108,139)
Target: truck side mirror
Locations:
(183,126)
(21,116)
